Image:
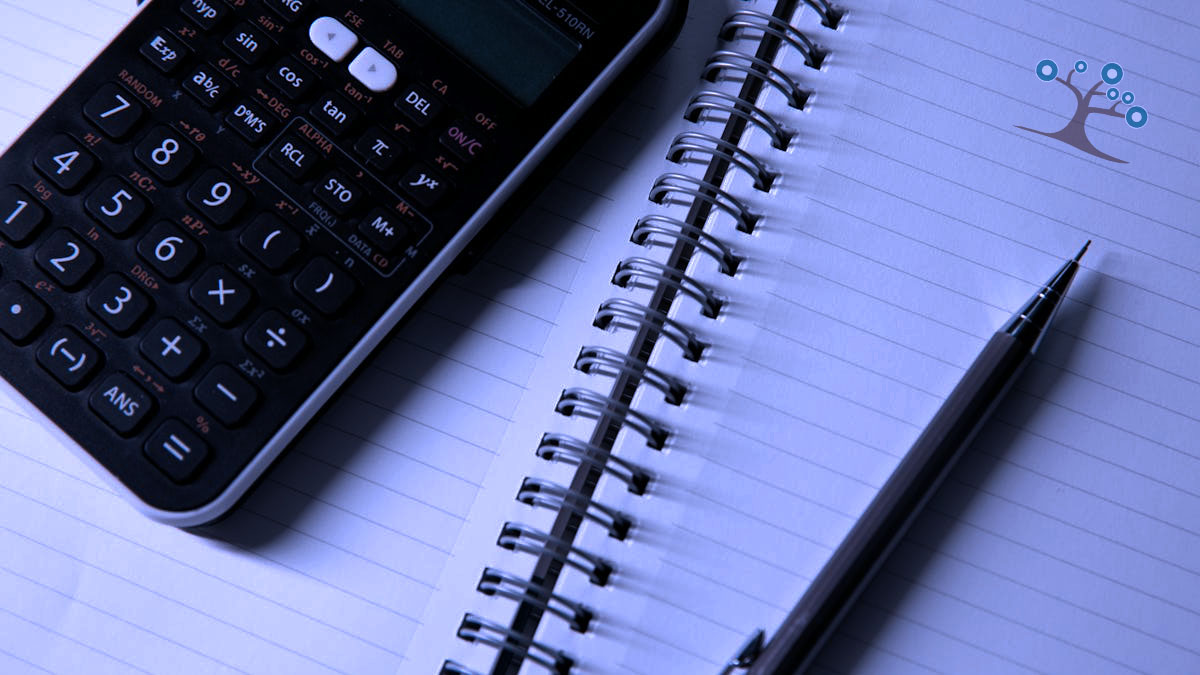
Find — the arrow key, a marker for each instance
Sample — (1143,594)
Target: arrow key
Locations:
(374,70)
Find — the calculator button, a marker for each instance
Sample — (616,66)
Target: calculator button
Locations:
(22,217)
(166,154)
(420,105)
(424,185)
(208,86)
(65,162)
(205,13)
(227,395)
(217,197)
(339,193)
(272,243)
(290,10)
(119,304)
(333,38)
(169,251)
(465,140)
(250,122)
(247,44)
(121,404)
(379,149)
(374,70)
(67,259)
(291,78)
(222,295)
(384,230)
(116,205)
(114,111)
(69,357)
(176,451)
(294,156)
(21,314)
(334,113)
(276,340)
(172,349)
(164,51)
(325,286)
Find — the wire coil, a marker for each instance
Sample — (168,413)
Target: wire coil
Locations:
(518,537)
(651,323)
(475,628)
(749,19)
(501,583)
(612,362)
(630,270)
(563,448)
(543,493)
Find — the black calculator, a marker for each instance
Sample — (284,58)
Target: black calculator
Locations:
(238,200)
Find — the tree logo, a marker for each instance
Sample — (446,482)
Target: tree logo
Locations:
(1075,133)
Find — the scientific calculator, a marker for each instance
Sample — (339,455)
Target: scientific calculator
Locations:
(238,200)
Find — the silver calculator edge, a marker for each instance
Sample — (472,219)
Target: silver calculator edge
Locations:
(382,328)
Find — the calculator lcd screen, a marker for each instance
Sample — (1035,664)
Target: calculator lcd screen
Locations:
(507,41)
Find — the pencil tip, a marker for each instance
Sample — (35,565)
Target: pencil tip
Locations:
(1079,256)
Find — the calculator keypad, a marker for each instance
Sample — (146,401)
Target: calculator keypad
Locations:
(212,218)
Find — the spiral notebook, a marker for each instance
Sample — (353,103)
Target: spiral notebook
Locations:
(631,437)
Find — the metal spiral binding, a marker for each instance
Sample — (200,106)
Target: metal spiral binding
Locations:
(614,310)
(830,16)
(543,493)
(631,269)
(691,141)
(733,106)
(752,66)
(456,668)
(650,323)
(579,401)
(501,583)
(682,184)
(563,448)
(475,628)
(518,537)
(650,227)
(749,19)
(610,361)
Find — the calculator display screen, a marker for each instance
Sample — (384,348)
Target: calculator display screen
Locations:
(507,41)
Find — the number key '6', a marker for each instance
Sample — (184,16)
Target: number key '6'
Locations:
(169,251)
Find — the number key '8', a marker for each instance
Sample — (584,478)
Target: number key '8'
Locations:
(216,197)
(165,153)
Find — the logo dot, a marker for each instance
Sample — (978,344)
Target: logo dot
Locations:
(14,310)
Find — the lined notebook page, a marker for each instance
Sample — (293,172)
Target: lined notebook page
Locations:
(916,218)
(332,562)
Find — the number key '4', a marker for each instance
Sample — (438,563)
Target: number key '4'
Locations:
(65,162)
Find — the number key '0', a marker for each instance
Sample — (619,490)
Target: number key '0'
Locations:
(165,153)
(169,251)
